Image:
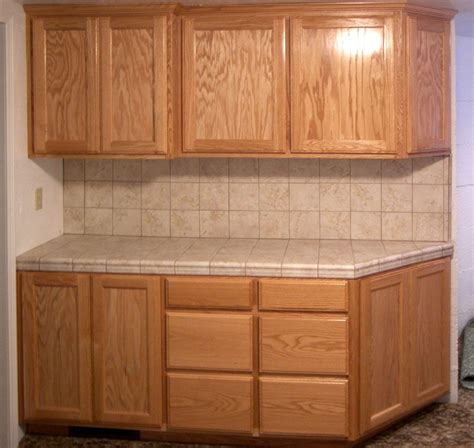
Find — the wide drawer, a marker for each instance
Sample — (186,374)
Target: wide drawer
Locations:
(210,402)
(304,406)
(209,341)
(303,295)
(214,293)
(304,344)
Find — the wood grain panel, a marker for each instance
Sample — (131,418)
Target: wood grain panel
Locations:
(383,349)
(304,344)
(56,347)
(303,295)
(430,95)
(134,84)
(127,349)
(303,406)
(64,83)
(429,331)
(210,402)
(342,85)
(234,85)
(209,341)
(209,292)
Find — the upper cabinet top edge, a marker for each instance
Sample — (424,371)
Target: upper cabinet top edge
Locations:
(242,8)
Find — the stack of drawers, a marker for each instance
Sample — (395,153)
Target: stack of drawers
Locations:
(257,356)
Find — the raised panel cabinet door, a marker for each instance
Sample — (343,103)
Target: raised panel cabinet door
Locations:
(56,347)
(383,349)
(127,350)
(342,85)
(234,85)
(64,85)
(429,96)
(429,333)
(134,84)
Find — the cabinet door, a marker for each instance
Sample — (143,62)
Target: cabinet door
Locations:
(234,82)
(429,85)
(64,85)
(134,85)
(342,85)
(429,331)
(383,349)
(127,350)
(56,347)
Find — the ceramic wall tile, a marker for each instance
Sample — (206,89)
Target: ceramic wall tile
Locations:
(304,225)
(366,171)
(243,170)
(335,197)
(213,224)
(127,222)
(243,224)
(99,170)
(243,196)
(155,170)
(127,195)
(73,169)
(304,171)
(98,194)
(366,225)
(366,197)
(274,224)
(156,196)
(156,223)
(335,225)
(74,220)
(214,196)
(304,197)
(184,223)
(73,192)
(98,221)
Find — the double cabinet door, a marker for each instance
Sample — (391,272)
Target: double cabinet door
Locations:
(404,333)
(91,358)
(99,85)
(340,73)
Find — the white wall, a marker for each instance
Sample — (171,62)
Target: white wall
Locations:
(464,179)
(26,227)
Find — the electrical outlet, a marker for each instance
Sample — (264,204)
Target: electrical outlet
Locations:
(39,199)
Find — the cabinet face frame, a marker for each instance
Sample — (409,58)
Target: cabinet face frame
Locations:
(158,85)
(31,336)
(278,144)
(385,147)
(416,144)
(153,350)
(37,69)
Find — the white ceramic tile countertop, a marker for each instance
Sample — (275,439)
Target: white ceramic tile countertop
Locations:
(253,257)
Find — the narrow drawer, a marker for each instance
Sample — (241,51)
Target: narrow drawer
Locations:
(210,402)
(209,341)
(213,293)
(303,295)
(304,344)
(304,406)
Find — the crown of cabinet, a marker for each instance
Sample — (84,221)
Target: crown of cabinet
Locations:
(368,80)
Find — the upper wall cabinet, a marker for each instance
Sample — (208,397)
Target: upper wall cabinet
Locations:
(101,84)
(234,79)
(65,85)
(271,80)
(342,85)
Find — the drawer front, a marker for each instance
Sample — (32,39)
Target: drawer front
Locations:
(209,341)
(216,293)
(304,406)
(303,295)
(304,344)
(210,402)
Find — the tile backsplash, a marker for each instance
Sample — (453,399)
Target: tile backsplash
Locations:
(259,198)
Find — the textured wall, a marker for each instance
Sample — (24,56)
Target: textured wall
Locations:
(464,234)
(266,198)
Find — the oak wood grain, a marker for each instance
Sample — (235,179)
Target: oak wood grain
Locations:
(383,348)
(127,349)
(304,344)
(210,402)
(303,406)
(209,292)
(56,347)
(429,334)
(303,295)
(209,341)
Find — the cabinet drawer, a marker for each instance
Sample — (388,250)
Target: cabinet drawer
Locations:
(209,341)
(303,295)
(303,406)
(217,293)
(210,402)
(304,344)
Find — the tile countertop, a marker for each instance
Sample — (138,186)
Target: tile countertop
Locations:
(252,257)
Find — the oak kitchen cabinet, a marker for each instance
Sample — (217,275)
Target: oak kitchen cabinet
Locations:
(233,356)
(314,80)
(101,84)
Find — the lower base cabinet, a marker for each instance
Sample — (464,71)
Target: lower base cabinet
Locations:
(332,359)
